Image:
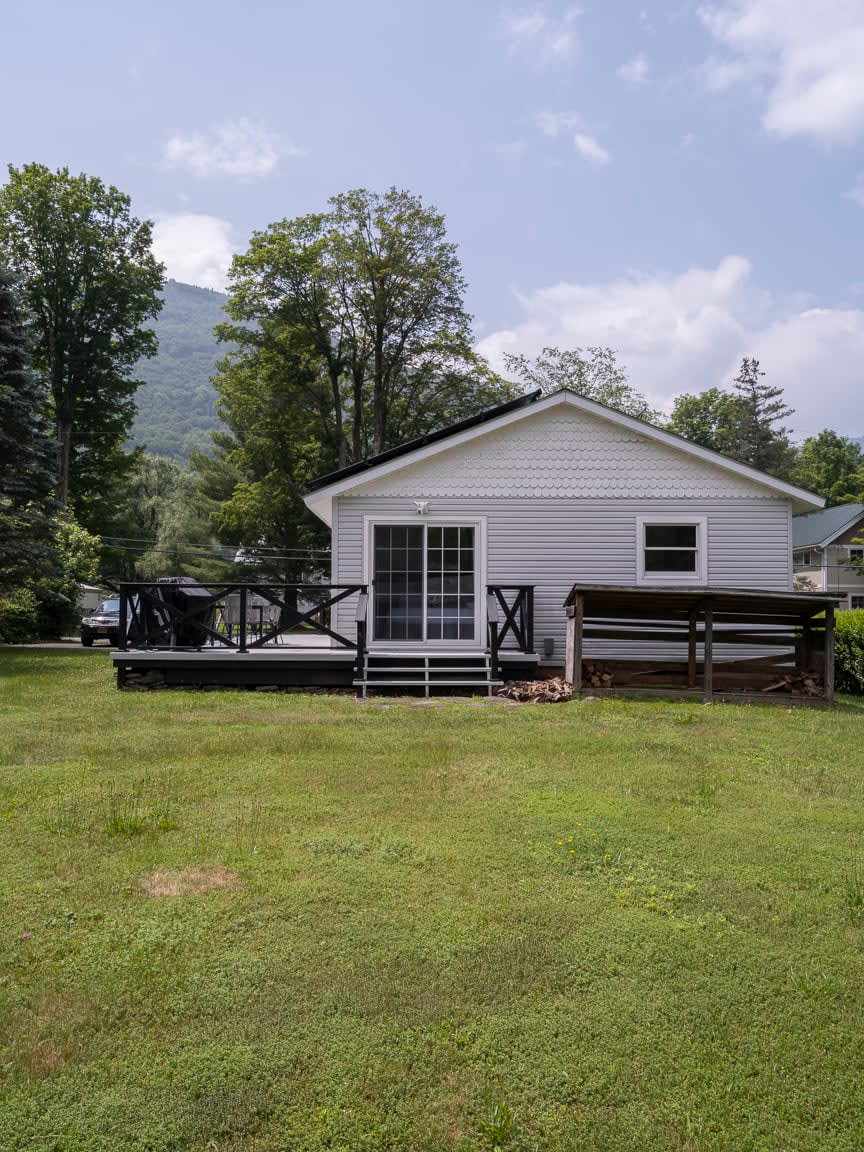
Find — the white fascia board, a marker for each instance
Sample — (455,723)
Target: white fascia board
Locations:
(320,502)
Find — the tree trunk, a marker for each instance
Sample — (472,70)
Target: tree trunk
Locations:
(64,458)
(338,419)
(61,390)
(379,402)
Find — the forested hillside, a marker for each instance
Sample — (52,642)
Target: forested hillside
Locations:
(177,403)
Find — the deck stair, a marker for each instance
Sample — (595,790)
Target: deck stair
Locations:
(426,671)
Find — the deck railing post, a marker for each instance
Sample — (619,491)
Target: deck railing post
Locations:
(529,632)
(362,611)
(122,643)
(244,595)
(492,627)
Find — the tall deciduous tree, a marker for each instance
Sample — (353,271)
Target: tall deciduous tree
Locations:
(350,335)
(832,466)
(366,299)
(26,453)
(91,283)
(593,372)
(711,418)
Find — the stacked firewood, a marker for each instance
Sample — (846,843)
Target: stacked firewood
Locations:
(550,691)
(803,683)
(596,675)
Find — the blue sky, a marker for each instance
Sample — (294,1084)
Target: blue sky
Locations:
(682,181)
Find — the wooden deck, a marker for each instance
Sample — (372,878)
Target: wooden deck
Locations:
(179,632)
(311,664)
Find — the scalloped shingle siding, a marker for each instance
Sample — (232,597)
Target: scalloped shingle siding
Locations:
(563,453)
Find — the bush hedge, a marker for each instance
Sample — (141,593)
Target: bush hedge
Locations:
(849,652)
(19,617)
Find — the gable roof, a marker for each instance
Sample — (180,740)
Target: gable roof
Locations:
(322,491)
(816,529)
(408,446)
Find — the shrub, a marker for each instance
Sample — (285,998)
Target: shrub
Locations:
(19,617)
(849,652)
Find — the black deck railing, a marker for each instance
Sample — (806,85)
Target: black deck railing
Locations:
(173,615)
(509,611)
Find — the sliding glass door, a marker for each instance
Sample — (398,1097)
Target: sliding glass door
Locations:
(424,582)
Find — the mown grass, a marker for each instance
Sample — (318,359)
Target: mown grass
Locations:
(598,925)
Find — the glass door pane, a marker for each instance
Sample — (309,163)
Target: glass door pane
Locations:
(398,582)
(449,583)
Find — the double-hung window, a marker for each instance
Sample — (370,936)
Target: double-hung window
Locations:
(671,550)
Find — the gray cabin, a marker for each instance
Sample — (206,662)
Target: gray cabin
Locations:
(545,492)
(457,559)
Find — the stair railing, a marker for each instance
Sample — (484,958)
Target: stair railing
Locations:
(518,618)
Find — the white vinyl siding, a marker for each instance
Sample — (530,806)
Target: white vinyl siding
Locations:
(554,543)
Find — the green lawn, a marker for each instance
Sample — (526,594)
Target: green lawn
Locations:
(597,925)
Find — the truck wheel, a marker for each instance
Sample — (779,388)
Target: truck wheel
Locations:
(87,641)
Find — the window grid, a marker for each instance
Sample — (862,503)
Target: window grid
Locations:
(449,583)
(403,555)
(398,582)
(671,548)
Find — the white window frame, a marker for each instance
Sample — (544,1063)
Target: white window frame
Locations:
(856,548)
(700,576)
(478,523)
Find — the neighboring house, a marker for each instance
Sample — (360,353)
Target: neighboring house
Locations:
(90,596)
(543,491)
(828,554)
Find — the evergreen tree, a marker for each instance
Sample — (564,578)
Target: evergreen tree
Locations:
(761,444)
(26,454)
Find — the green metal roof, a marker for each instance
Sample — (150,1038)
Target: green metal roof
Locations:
(815,528)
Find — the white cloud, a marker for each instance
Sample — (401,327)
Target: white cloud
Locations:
(805,56)
(635,71)
(688,332)
(194,247)
(588,147)
(555,124)
(544,38)
(239,149)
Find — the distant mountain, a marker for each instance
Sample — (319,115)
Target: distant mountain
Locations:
(177,403)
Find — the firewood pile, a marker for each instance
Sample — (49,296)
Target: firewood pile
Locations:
(800,682)
(538,691)
(596,675)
